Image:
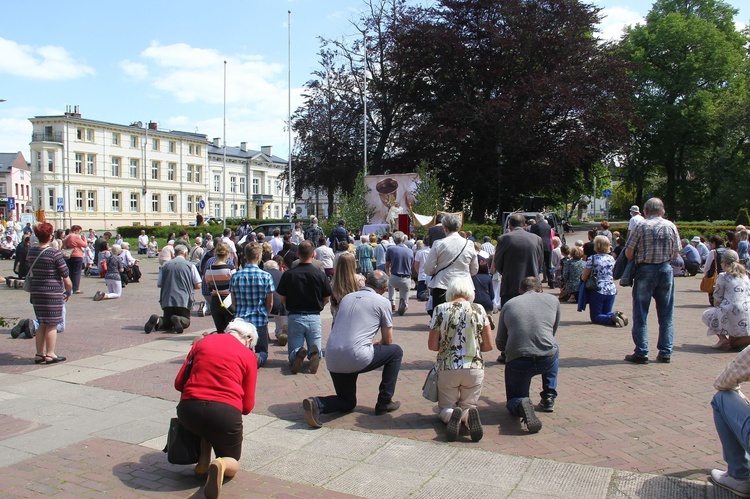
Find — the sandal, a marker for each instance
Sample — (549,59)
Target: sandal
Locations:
(39,359)
(53,360)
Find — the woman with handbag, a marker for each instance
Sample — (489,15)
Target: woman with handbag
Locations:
(73,246)
(112,268)
(730,317)
(216,279)
(712,266)
(460,332)
(217,382)
(50,288)
(600,286)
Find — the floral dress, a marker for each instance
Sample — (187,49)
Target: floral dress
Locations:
(364,255)
(460,325)
(732,316)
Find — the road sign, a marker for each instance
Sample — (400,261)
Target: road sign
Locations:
(11,204)
(607,193)
(60,205)
(201,204)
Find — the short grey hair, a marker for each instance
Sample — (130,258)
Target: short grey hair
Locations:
(180,249)
(271,264)
(377,280)
(654,206)
(460,288)
(451,222)
(244,330)
(198,241)
(209,245)
(116,249)
(398,237)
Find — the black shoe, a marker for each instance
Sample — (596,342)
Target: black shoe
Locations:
(19,328)
(663,360)
(153,321)
(547,404)
(529,416)
(298,360)
(312,412)
(383,409)
(314,359)
(501,358)
(177,324)
(401,307)
(475,425)
(454,424)
(636,359)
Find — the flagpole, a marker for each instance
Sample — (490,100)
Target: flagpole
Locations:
(224,162)
(289,110)
(364,101)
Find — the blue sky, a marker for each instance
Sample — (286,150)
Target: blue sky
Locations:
(163,61)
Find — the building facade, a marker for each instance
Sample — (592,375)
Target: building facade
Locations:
(249,186)
(15,186)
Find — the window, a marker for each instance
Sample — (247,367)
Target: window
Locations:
(256,186)
(79,133)
(232,184)
(91,201)
(39,161)
(2,189)
(89,135)
(191,149)
(170,171)
(79,200)
(172,146)
(242,185)
(275,211)
(154,202)
(234,210)
(268,186)
(198,150)
(133,201)
(133,168)
(133,141)
(217,210)
(189,173)
(243,211)
(50,160)
(115,139)
(198,173)
(190,204)
(115,201)
(155,166)
(154,144)
(278,187)
(115,166)
(79,163)
(217,183)
(172,203)
(51,196)
(16,190)
(90,160)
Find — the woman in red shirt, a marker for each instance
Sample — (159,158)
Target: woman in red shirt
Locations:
(217,381)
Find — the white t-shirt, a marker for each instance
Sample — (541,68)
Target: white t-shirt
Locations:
(325,255)
(420,258)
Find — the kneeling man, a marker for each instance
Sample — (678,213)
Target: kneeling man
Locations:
(350,350)
(526,333)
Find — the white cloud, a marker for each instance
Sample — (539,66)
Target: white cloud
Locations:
(15,131)
(135,70)
(615,19)
(46,63)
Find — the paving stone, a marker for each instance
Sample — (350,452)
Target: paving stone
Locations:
(348,444)
(307,468)
(367,480)
(256,455)
(286,434)
(141,407)
(502,471)
(9,455)
(456,487)
(45,440)
(632,485)
(567,480)
(134,432)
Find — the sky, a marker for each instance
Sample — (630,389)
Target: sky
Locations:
(163,61)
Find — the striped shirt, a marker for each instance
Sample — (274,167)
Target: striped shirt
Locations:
(655,240)
(217,278)
(736,372)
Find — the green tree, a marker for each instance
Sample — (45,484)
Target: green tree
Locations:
(352,205)
(685,58)
(428,196)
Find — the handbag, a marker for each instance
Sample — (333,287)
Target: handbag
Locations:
(429,389)
(226,302)
(708,281)
(592,282)
(183,446)
(67,253)
(29,276)
(102,267)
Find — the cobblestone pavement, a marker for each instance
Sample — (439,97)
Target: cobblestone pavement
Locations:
(652,418)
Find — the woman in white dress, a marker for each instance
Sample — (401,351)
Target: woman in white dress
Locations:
(730,317)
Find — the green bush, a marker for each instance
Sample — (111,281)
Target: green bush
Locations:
(743,218)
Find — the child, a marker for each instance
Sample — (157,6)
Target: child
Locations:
(88,258)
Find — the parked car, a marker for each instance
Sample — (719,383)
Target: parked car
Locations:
(285,227)
(552,218)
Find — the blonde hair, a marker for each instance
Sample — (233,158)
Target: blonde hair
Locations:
(743,235)
(345,276)
(734,268)
(601,244)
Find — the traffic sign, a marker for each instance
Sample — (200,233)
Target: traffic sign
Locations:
(60,205)
(201,204)
(11,204)
(607,193)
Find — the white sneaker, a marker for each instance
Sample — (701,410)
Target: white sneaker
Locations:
(740,488)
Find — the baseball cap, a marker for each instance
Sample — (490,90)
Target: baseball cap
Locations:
(635,209)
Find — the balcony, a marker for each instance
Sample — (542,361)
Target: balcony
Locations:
(47,137)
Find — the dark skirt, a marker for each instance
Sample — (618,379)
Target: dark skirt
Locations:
(219,423)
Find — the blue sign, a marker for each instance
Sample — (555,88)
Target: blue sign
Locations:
(60,205)
(201,204)
(607,193)
(11,203)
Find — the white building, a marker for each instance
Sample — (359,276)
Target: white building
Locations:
(15,186)
(249,187)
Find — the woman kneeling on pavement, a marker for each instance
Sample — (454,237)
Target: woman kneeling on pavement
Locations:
(602,299)
(460,332)
(217,381)
(730,317)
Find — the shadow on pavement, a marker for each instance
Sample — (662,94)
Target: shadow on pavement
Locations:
(154,473)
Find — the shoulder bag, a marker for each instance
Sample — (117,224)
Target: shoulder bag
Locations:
(67,252)
(183,446)
(29,276)
(708,281)
(226,302)
(592,282)
(429,389)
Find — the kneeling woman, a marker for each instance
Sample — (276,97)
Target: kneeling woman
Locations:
(729,320)
(460,332)
(217,381)
(112,275)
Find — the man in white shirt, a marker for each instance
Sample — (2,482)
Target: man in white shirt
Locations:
(488,247)
(277,244)
(635,218)
(227,238)
(143,243)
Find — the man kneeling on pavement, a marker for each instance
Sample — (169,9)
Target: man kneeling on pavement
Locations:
(350,350)
(732,420)
(526,333)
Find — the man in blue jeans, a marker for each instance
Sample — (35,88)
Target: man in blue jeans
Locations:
(526,333)
(653,244)
(304,290)
(732,419)
(351,351)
